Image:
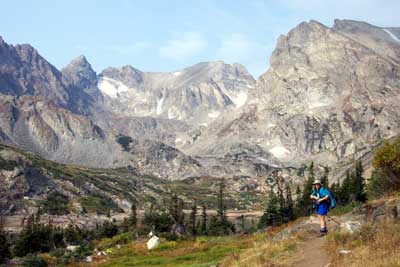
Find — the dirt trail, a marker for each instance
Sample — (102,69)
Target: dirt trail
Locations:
(311,253)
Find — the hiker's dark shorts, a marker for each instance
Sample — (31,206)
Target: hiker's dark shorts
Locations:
(322,208)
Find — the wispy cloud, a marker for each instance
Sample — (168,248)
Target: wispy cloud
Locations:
(183,46)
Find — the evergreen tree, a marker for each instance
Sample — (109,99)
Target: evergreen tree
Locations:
(303,205)
(334,189)
(192,219)
(34,237)
(177,215)
(281,201)
(133,217)
(242,223)
(221,208)
(358,183)
(109,229)
(221,226)
(176,209)
(324,178)
(4,245)
(311,172)
(344,193)
(298,192)
(289,213)
(204,220)
(271,212)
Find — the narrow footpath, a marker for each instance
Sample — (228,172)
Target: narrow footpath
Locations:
(311,253)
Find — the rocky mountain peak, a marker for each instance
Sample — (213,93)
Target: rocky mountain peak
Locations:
(80,73)
(128,75)
(384,41)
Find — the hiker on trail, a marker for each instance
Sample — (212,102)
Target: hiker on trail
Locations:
(321,201)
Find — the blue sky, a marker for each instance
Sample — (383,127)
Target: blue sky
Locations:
(172,34)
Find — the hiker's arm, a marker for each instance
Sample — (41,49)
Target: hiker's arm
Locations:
(313,197)
(323,199)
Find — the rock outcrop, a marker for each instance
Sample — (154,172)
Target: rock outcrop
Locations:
(326,97)
(197,94)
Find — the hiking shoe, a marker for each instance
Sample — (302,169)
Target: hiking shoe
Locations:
(321,234)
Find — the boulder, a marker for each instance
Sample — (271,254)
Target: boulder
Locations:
(153,243)
(72,248)
(350,227)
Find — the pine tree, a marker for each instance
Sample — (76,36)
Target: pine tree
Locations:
(311,172)
(303,205)
(204,220)
(192,219)
(176,209)
(298,192)
(289,213)
(34,237)
(4,245)
(358,183)
(221,225)
(242,223)
(271,212)
(133,217)
(221,208)
(324,178)
(344,193)
(334,189)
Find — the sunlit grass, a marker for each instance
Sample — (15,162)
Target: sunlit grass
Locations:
(202,251)
(376,245)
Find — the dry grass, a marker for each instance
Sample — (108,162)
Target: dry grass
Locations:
(375,245)
(267,252)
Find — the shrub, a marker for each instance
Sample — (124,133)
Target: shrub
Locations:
(34,261)
(387,162)
(124,141)
(218,227)
(35,237)
(167,245)
(4,247)
(56,204)
(98,204)
(7,165)
(119,239)
(161,222)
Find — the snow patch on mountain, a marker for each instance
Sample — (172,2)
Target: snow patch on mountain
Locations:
(111,87)
(279,151)
(316,105)
(159,105)
(240,99)
(394,37)
(214,114)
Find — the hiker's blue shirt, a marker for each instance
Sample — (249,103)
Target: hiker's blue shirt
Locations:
(322,207)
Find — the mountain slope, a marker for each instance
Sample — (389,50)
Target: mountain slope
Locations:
(197,94)
(325,97)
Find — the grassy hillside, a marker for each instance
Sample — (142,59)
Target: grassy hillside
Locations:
(28,180)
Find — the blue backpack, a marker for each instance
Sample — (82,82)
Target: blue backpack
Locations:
(322,193)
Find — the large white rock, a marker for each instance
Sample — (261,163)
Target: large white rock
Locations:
(350,227)
(72,248)
(153,243)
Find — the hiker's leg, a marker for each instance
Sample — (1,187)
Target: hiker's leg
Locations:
(324,224)
(321,221)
